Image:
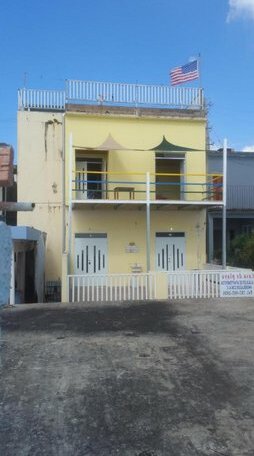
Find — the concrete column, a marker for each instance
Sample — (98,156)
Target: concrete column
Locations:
(64,283)
(210,243)
(148,224)
(161,285)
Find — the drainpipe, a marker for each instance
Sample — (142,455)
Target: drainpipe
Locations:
(224,207)
(70,205)
(148,224)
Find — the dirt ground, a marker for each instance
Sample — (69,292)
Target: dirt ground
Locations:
(140,379)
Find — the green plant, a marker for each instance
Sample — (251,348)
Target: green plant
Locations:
(242,251)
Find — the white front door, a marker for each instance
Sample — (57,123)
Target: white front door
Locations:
(170,251)
(91,253)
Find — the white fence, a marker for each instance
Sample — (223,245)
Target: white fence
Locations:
(144,286)
(111,287)
(41,99)
(134,94)
(211,284)
(194,284)
(112,93)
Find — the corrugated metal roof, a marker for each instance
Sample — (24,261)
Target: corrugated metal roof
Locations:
(6,165)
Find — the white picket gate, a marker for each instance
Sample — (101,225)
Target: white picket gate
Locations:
(111,287)
(194,284)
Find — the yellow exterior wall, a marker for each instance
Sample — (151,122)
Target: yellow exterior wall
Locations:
(124,226)
(129,225)
(133,133)
(40,180)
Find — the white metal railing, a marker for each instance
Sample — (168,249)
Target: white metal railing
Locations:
(41,99)
(194,284)
(134,94)
(111,287)
(112,93)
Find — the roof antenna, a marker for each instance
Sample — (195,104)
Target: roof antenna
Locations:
(25,79)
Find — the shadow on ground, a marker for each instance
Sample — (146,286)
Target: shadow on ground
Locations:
(133,379)
(150,317)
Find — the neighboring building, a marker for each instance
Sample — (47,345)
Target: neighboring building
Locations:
(7,184)
(6,179)
(10,194)
(29,264)
(119,189)
(240,199)
(26,254)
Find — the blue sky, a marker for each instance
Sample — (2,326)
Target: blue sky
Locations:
(44,43)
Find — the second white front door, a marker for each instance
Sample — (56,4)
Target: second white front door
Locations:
(170,251)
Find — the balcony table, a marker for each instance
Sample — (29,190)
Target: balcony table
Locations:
(130,190)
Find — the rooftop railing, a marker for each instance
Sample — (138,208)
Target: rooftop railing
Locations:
(113,94)
(41,99)
(134,94)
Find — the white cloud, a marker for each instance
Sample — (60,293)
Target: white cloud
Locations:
(248,149)
(240,8)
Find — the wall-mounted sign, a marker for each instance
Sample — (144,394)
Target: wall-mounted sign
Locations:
(238,284)
(131,248)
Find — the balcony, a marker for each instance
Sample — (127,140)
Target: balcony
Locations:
(115,188)
(111,94)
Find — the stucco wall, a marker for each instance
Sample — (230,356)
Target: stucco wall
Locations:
(125,226)
(39,179)
(138,133)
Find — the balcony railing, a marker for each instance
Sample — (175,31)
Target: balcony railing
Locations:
(131,187)
(112,93)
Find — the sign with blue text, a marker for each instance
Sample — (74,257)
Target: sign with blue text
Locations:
(236,284)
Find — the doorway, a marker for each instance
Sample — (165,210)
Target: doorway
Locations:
(170,251)
(169,177)
(90,181)
(91,253)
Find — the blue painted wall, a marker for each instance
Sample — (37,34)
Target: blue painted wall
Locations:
(5,263)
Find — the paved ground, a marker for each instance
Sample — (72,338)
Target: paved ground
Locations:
(149,379)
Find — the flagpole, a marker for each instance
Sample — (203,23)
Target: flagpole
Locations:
(199,70)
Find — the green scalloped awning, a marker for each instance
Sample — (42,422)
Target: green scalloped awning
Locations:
(166,146)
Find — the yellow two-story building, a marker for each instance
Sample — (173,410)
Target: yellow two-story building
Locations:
(118,176)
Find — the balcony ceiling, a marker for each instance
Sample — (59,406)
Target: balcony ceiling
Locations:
(141,205)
